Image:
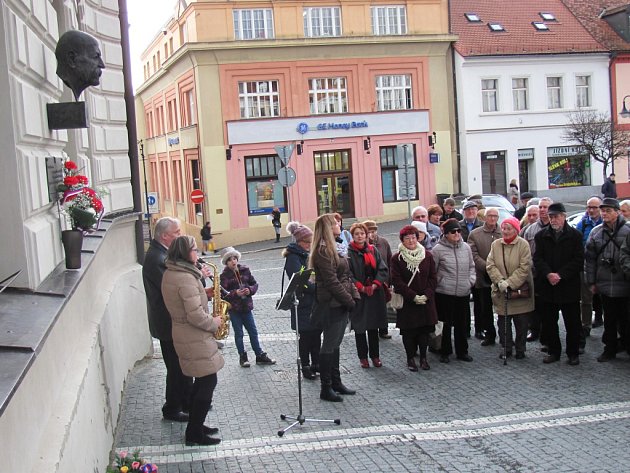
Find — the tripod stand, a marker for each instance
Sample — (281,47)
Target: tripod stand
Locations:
(289,301)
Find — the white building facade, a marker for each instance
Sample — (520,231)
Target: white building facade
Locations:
(513,112)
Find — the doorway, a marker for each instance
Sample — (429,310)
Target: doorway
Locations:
(523,175)
(333,182)
(493,172)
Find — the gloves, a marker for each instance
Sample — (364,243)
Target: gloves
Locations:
(503,285)
(420,300)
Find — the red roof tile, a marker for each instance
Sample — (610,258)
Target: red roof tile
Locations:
(588,11)
(566,34)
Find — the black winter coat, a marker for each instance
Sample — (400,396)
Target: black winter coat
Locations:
(413,315)
(296,259)
(153,270)
(371,311)
(565,256)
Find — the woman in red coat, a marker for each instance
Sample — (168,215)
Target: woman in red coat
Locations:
(414,277)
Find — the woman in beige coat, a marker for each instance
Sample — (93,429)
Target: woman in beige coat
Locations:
(193,329)
(509,267)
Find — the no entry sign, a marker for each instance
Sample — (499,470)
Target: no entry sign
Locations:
(196,196)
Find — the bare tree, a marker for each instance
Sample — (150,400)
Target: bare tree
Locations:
(596,133)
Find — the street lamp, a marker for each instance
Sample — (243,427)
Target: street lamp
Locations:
(624,110)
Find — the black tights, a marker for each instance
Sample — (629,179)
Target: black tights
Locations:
(414,338)
(310,341)
(369,345)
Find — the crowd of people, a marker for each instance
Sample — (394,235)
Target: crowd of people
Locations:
(527,270)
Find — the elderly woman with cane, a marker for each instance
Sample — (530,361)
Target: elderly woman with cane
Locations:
(509,267)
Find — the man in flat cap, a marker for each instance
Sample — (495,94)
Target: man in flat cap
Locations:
(525,198)
(558,260)
(79,61)
(605,277)
(470,220)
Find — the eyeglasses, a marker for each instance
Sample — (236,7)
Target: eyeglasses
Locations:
(491,216)
(592,207)
(453,232)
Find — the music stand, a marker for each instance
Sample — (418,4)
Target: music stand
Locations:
(289,301)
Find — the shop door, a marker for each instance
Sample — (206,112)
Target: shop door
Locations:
(333,183)
(493,172)
(523,175)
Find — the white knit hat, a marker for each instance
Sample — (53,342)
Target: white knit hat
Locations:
(228,253)
(421,226)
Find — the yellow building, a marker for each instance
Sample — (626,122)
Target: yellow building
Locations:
(342,85)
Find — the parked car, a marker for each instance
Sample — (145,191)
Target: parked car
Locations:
(575,218)
(493,200)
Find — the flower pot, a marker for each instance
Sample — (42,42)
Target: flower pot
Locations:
(72,243)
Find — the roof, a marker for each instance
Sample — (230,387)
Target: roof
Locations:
(565,34)
(589,12)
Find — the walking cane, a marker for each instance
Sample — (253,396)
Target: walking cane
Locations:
(505,322)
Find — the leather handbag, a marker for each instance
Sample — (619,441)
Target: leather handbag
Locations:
(398,301)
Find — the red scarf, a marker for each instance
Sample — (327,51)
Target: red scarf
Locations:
(510,240)
(368,253)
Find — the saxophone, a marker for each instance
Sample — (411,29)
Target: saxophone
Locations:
(219,306)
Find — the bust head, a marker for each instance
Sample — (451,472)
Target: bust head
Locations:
(79,61)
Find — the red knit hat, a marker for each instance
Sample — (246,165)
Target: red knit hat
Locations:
(514,222)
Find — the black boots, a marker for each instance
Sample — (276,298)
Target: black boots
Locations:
(196,432)
(277,238)
(337,385)
(327,393)
(307,372)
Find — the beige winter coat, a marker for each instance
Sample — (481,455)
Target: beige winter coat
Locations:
(193,326)
(518,260)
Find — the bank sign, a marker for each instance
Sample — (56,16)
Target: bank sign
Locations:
(303,127)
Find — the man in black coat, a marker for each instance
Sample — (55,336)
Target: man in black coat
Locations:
(558,261)
(178,385)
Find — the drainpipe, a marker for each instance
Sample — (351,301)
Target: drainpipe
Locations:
(456,113)
(612,56)
(132,135)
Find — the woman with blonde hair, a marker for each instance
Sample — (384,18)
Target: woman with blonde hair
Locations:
(336,297)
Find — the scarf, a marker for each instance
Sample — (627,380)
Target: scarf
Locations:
(186,266)
(367,251)
(413,258)
(509,240)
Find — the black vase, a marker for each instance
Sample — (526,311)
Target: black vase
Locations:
(72,243)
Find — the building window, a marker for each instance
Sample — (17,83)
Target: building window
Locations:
(328,95)
(178,186)
(489,94)
(149,124)
(583,91)
(165,188)
(520,93)
(322,21)
(188,109)
(159,120)
(568,166)
(171,115)
(264,191)
(253,24)
(393,92)
(259,99)
(395,181)
(554,92)
(389,20)
(193,162)
(170,44)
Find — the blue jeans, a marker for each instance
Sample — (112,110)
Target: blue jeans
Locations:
(245,319)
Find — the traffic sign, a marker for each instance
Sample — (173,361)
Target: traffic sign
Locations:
(196,196)
(286,176)
(284,152)
(152,202)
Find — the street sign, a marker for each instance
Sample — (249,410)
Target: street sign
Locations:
(284,152)
(196,196)
(286,176)
(152,202)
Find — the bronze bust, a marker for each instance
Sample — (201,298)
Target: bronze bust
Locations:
(79,61)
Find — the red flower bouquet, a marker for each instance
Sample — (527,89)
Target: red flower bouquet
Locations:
(82,204)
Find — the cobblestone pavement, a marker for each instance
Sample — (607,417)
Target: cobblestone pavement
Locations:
(461,417)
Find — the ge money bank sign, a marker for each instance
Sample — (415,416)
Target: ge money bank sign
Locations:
(294,129)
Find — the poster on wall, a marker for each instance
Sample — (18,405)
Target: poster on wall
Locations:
(263,196)
(568,166)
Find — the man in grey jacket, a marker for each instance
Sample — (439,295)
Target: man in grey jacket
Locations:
(480,241)
(605,276)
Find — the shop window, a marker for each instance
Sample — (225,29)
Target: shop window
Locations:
(253,24)
(393,92)
(395,181)
(520,93)
(264,191)
(554,92)
(568,166)
(322,21)
(583,91)
(259,99)
(489,90)
(389,20)
(328,95)
(195,183)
